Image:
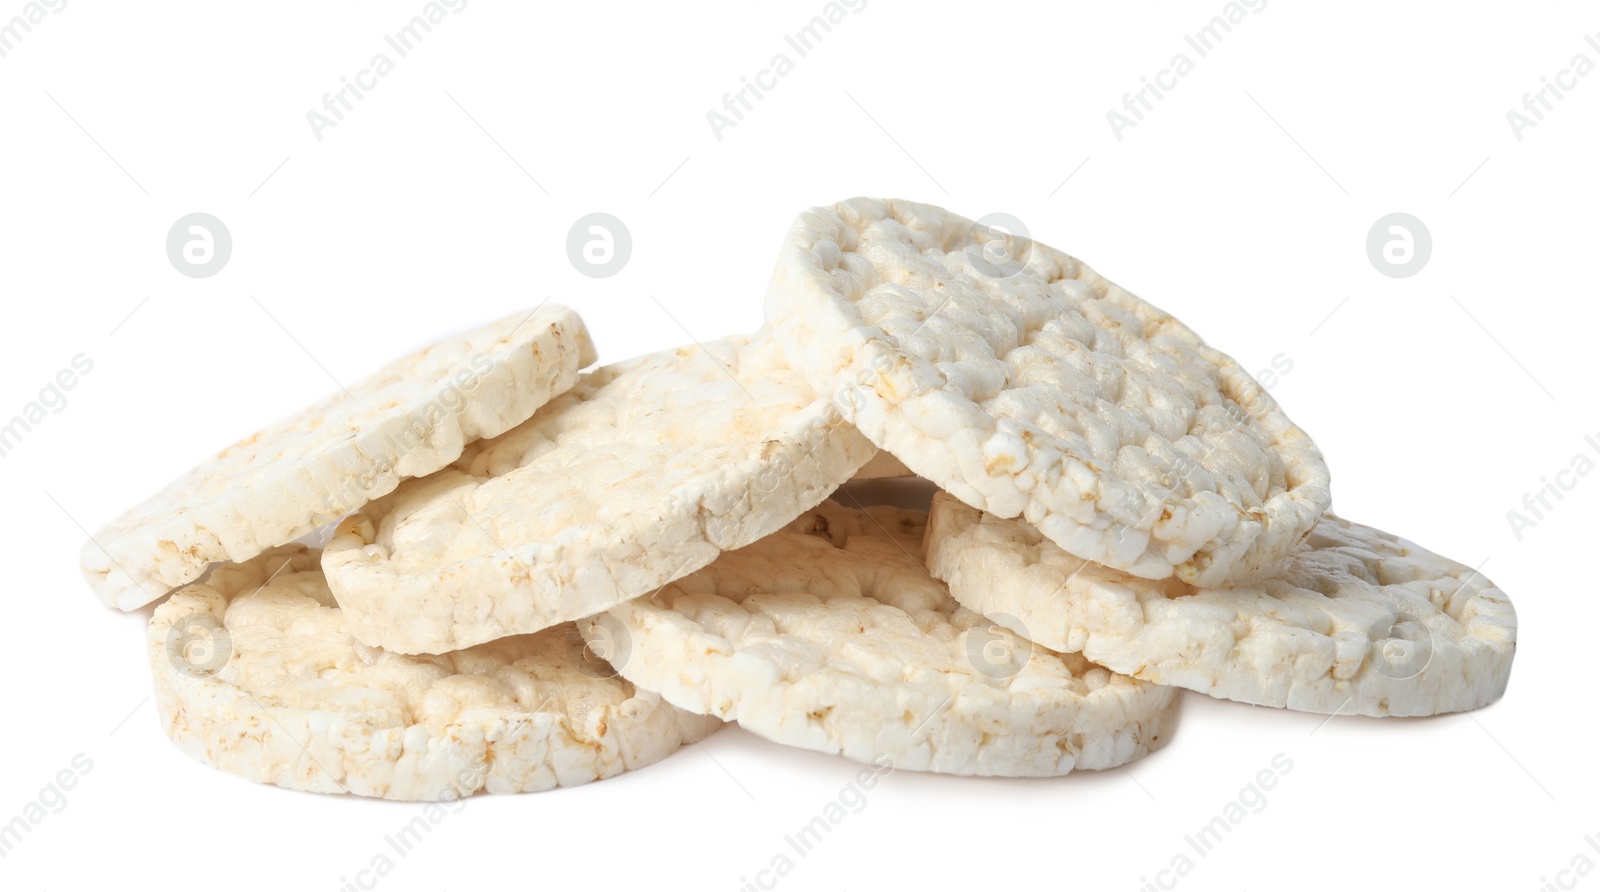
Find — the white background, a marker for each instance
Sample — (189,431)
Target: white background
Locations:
(1241,203)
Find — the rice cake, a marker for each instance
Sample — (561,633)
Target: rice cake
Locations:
(1361,622)
(647,470)
(411,418)
(256,673)
(1025,384)
(830,636)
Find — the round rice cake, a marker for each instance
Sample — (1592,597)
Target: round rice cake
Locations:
(1360,622)
(411,418)
(256,673)
(647,470)
(1025,384)
(830,636)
